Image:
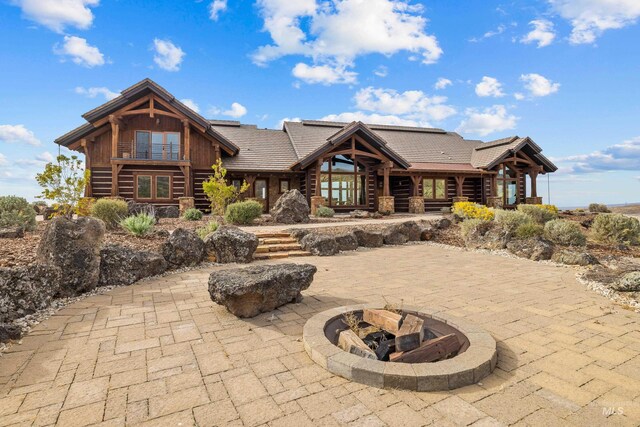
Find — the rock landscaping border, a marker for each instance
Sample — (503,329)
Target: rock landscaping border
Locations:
(469,367)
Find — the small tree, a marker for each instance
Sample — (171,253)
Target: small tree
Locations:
(63,182)
(219,192)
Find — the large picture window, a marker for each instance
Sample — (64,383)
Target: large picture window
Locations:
(343,182)
(434,188)
(507,185)
(157,145)
(153,187)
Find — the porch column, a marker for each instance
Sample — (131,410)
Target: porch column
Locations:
(250,180)
(317,200)
(386,204)
(187,140)
(518,187)
(416,202)
(459,185)
(88,189)
(534,199)
(218,155)
(115,135)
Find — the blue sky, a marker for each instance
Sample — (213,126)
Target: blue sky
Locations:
(564,72)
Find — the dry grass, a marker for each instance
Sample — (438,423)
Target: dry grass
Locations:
(628,209)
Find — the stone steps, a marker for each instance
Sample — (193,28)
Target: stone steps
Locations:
(278,245)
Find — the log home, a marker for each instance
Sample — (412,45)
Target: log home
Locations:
(146,145)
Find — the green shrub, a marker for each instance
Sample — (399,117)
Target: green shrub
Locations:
(564,232)
(243,213)
(616,229)
(17,212)
(138,225)
(110,211)
(529,230)
(39,206)
(325,212)
(192,214)
(599,208)
(511,220)
(539,213)
(211,227)
(469,226)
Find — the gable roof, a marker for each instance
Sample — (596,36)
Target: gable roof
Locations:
(131,94)
(489,154)
(347,132)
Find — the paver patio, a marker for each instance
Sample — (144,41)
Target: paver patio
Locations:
(160,352)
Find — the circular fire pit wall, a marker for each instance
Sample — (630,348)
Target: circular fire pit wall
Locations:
(475,358)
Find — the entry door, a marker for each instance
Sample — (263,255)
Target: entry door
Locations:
(261,189)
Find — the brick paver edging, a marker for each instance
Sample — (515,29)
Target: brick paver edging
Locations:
(477,362)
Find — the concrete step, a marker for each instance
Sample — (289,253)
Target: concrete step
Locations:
(283,248)
(280,255)
(278,240)
(266,235)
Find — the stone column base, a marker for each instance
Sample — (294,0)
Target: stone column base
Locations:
(186,203)
(316,202)
(533,200)
(386,205)
(416,205)
(495,202)
(460,199)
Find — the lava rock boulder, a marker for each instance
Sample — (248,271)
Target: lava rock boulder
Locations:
(183,249)
(369,239)
(247,292)
(291,208)
(347,242)
(231,244)
(535,249)
(320,244)
(120,265)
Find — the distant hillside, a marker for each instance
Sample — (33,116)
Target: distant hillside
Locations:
(632,209)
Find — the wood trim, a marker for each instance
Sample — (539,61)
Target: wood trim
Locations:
(151,113)
(187,140)
(433,188)
(119,161)
(88,190)
(115,172)
(459,185)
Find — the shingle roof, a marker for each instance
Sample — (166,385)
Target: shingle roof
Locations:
(260,149)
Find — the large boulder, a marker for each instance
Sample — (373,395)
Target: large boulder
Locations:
(298,233)
(291,208)
(11,233)
(320,244)
(183,249)
(487,235)
(167,212)
(441,223)
(410,229)
(535,249)
(10,331)
(25,290)
(347,242)
(359,214)
(73,245)
(135,208)
(393,236)
(629,282)
(230,244)
(369,239)
(247,292)
(120,265)
(571,257)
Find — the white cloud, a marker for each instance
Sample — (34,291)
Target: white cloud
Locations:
(413,105)
(92,92)
(590,18)
(538,85)
(442,83)
(487,121)
(323,74)
(80,52)
(381,71)
(336,32)
(237,110)
(501,29)
(287,119)
(624,156)
(216,7)
(542,33)
(168,56)
(489,86)
(519,96)
(39,160)
(57,14)
(378,119)
(17,134)
(191,104)
(3,160)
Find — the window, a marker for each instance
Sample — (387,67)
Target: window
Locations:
(343,182)
(284,185)
(153,187)
(507,185)
(157,145)
(144,187)
(237,183)
(434,189)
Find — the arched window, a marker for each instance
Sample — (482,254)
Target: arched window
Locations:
(343,182)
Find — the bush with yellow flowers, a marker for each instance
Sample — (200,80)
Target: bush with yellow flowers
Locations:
(470,210)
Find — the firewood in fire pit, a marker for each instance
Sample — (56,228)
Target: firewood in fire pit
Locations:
(383,319)
(384,349)
(429,351)
(350,342)
(410,334)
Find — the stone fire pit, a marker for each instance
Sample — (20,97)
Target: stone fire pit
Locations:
(475,359)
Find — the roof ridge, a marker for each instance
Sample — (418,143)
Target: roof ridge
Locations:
(285,126)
